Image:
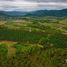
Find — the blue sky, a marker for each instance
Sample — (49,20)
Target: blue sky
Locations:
(30,5)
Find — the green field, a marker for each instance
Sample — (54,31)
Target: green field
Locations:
(33,42)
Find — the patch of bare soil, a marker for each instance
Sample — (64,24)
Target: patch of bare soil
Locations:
(7,42)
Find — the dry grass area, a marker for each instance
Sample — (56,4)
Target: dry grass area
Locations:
(11,52)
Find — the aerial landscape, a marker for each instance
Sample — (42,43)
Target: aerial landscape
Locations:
(33,33)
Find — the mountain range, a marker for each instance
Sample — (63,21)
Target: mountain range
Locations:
(62,12)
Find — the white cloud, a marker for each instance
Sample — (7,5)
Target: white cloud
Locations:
(23,5)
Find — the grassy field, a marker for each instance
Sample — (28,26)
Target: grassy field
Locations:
(33,42)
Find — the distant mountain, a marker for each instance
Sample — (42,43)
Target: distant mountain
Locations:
(16,13)
(48,13)
(35,13)
(12,13)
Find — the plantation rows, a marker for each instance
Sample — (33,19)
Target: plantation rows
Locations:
(18,35)
(33,37)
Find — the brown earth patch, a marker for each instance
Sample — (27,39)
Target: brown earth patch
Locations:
(7,42)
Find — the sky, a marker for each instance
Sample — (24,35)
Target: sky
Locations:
(31,5)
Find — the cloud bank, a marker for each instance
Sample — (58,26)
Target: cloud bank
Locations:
(30,5)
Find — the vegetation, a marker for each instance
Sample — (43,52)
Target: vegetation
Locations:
(33,42)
